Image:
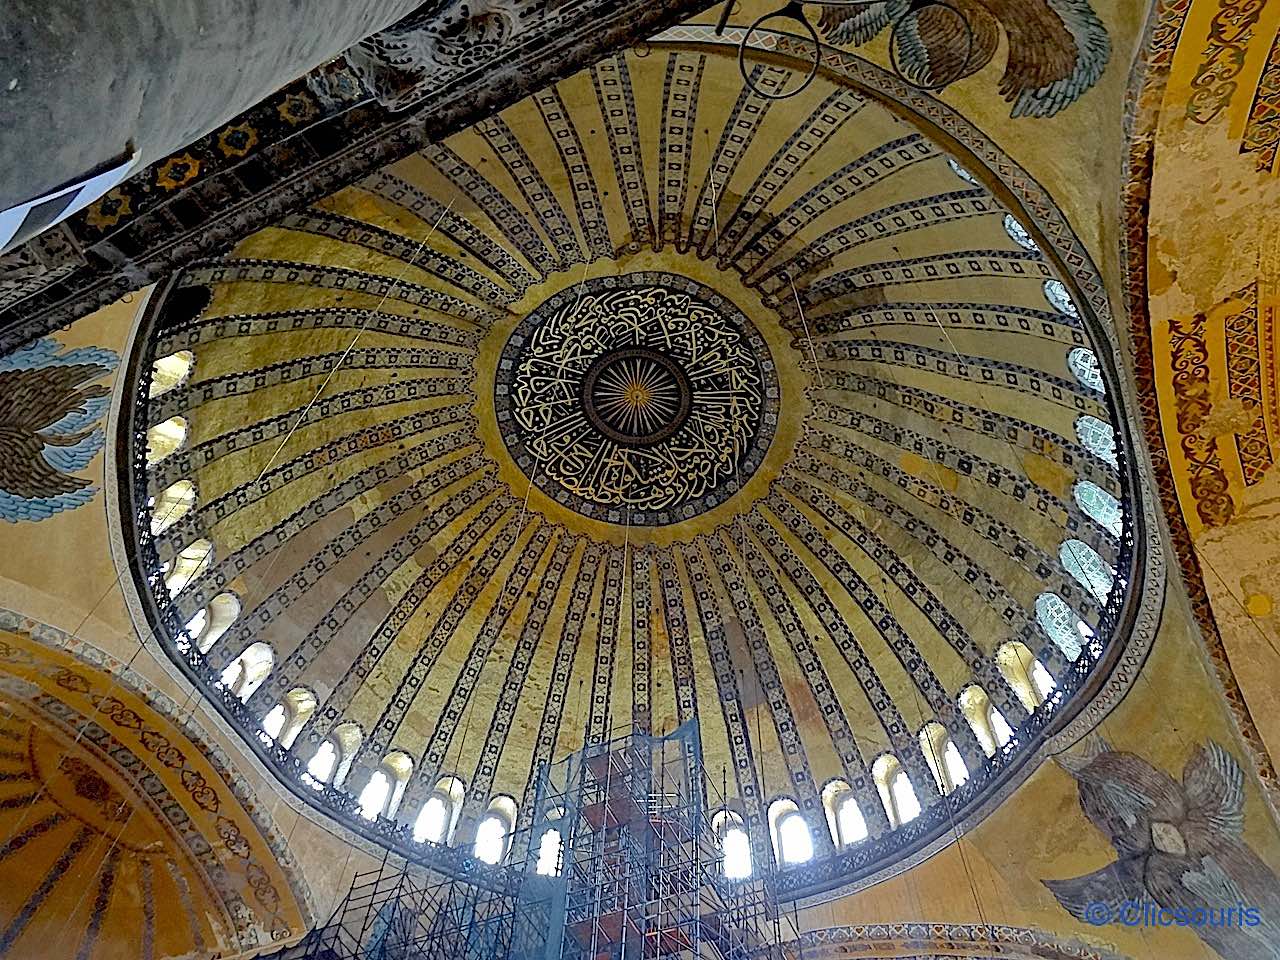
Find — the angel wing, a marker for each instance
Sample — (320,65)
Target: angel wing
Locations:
(1057,50)
(1112,885)
(48,408)
(857,24)
(1214,785)
(938,44)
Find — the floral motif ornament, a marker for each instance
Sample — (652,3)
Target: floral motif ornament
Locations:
(644,399)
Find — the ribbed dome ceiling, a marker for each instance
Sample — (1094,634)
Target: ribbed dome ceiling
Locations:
(652,401)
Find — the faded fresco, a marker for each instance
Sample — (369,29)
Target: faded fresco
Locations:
(1180,849)
(1057,48)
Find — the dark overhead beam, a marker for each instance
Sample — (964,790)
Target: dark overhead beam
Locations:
(311,138)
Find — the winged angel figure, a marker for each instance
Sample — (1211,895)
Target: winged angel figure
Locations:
(49,409)
(1180,846)
(1057,48)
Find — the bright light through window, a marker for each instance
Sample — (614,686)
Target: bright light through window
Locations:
(737,853)
(432,820)
(795,840)
(1041,678)
(373,798)
(491,839)
(549,854)
(904,798)
(999,726)
(850,822)
(323,762)
(273,722)
(957,772)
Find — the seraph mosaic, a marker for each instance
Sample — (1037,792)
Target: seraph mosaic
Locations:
(1057,48)
(51,406)
(1180,850)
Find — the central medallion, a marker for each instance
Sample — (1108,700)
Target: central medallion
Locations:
(645,399)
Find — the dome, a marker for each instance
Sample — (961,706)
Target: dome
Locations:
(644,401)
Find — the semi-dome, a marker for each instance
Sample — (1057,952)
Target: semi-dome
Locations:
(646,400)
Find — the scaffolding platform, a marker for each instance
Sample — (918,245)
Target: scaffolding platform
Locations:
(639,877)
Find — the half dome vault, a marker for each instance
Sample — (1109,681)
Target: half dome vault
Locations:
(643,401)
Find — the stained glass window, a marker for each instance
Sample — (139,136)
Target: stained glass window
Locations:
(1084,365)
(1098,437)
(1056,293)
(1082,562)
(1018,234)
(962,173)
(1060,622)
(1100,505)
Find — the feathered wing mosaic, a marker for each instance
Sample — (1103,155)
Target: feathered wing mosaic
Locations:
(1180,849)
(1057,48)
(50,409)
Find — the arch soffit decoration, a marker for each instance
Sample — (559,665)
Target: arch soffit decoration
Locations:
(144,741)
(1020,192)
(1210,91)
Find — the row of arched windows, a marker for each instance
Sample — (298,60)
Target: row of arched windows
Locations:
(331,761)
(789,829)
(1078,559)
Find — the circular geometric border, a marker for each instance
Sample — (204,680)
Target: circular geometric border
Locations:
(514,349)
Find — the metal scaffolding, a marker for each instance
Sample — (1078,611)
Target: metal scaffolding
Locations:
(638,875)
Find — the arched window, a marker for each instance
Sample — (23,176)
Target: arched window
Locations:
(1060,623)
(273,722)
(962,173)
(287,719)
(1082,562)
(1098,437)
(1024,672)
(850,821)
(999,725)
(169,372)
(165,438)
(792,841)
(735,845)
(172,505)
(1056,293)
(433,821)
(439,815)
(187,565)
(987,723)
(381,795)
(375,795)
(332,759)
(1018,234)
(493,835)
(549,853)
(245,673)
(844,816)
(323,761)
(943,757)
(1083,363)
(1100,505)
(209,625)
(896,792)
